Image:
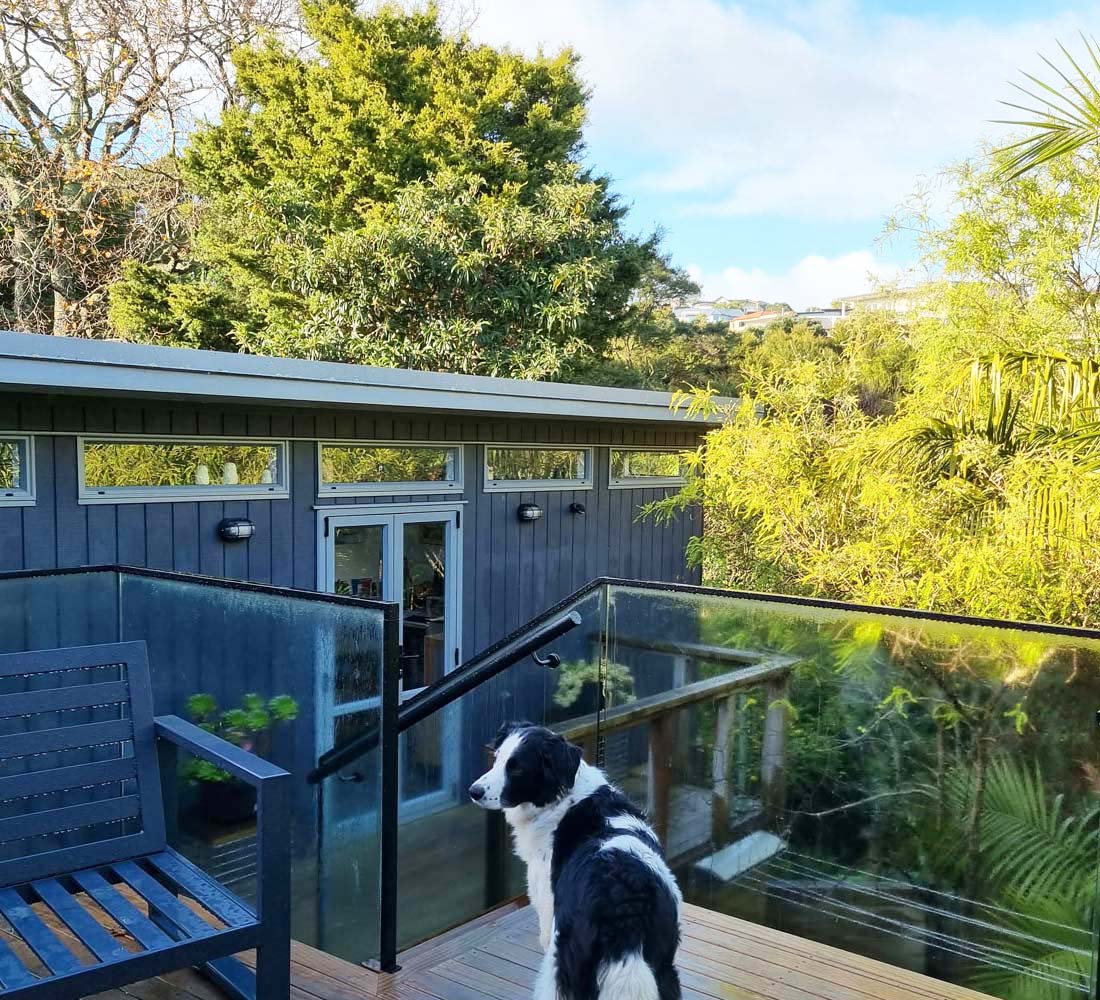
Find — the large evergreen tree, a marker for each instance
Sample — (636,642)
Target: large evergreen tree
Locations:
(398,197)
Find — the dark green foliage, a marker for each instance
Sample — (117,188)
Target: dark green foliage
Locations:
(398,197)
(149,304)
(248,726)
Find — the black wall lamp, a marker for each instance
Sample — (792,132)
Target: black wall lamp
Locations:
(236,529)
(529,512)
(576,508)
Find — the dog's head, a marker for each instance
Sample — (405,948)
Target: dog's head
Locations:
(532,767)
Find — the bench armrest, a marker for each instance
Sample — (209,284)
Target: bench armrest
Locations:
(195,740)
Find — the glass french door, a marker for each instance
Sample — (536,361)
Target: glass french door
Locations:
(411,558)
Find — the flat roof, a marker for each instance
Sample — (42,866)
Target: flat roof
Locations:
(43,363)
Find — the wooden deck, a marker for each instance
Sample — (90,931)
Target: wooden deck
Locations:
(495,958)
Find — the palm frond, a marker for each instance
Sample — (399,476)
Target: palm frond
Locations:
(1030,846)
(1049,958)
(1064,120)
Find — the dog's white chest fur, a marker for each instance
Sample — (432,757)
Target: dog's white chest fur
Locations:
(533,836)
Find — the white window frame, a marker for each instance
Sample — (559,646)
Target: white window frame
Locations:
(23,496)
(439,487)
(279,490)
(538,485)
(641,482)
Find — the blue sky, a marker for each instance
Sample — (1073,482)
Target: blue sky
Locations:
(771,140)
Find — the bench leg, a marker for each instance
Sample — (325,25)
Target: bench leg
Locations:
(237,980)
(233,978)
(273,897)
(273,970)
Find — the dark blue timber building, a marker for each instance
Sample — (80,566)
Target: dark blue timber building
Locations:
(474,502)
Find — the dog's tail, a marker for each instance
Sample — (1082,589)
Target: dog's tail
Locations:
(630,978)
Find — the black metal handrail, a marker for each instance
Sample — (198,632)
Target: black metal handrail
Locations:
(393,719)
(443,693)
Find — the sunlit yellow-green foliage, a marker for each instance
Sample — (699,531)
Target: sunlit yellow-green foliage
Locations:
(114,464)
(535,463)
(368,464)
(947,461)
(10,465)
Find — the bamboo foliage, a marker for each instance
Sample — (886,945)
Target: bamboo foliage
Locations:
(1064,391)
(1042,408)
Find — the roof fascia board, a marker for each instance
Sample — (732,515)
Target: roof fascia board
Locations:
(129,369)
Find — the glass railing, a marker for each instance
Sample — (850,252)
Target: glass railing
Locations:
(455,861)
(918,789)
(915,789)
(305,669)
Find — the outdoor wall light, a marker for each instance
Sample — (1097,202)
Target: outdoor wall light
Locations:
(236,529)
(529,512)
(576,508)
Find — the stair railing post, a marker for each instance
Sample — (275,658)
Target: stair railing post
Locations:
(389,778)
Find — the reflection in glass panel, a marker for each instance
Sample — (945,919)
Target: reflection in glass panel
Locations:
(424,603)
(343,465)
(180,465)
(536,464)
(346,887)
(917,791)
(455,860)
(359,560)
(627,464)
(13,474)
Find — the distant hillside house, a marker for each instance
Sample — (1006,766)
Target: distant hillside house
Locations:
(826,318)
(915,302)
(899,300)
(757,320)
(707,312)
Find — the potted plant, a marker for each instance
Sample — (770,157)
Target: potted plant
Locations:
(223,799)
(579,682)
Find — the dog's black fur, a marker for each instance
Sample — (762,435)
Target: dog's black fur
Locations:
(541,771)
(609,905)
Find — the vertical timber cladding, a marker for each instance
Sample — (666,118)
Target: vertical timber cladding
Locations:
(511,570)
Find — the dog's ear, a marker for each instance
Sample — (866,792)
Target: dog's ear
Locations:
(507,729)
(561,760)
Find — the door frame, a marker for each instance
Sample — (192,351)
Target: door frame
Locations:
(391,516)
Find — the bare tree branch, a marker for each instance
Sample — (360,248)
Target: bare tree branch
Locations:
(94,95)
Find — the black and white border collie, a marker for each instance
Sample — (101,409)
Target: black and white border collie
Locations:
(608,906)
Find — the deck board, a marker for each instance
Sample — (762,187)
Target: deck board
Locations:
(496,957)
(721,958)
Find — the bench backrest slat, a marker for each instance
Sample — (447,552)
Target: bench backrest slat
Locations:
(79,783)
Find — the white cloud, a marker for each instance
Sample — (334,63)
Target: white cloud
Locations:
(825,110)
(813,281)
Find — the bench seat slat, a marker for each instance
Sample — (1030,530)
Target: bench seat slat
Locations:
(59,779)
(42,941)
(60,699)
(40,741)
(95,937)
(128,915)
(69,817)
(161,899)
(190,880)
(57,661)
(13,972)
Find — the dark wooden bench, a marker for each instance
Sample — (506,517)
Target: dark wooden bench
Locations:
(93,896)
